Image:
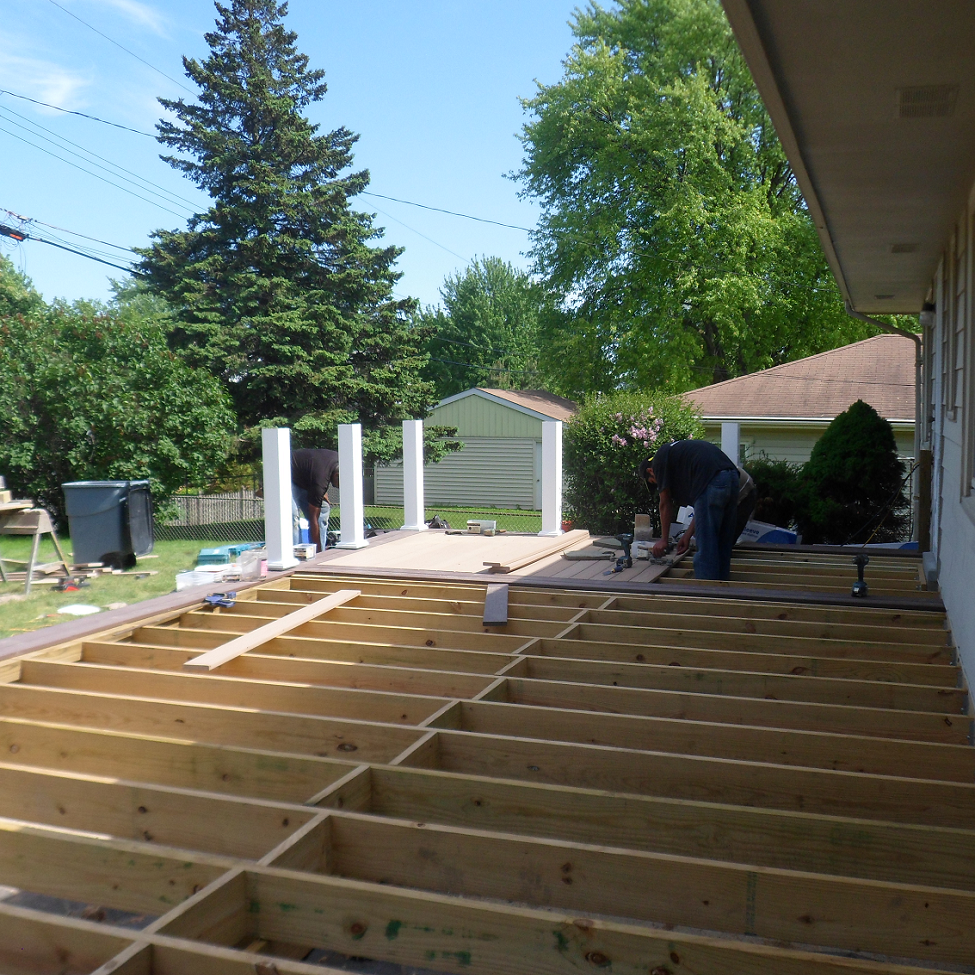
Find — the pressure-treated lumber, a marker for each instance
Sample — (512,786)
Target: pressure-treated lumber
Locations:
(787,905)
(221,655)
(879,850)
(585,786)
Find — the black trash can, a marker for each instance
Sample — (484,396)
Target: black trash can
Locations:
(109,521)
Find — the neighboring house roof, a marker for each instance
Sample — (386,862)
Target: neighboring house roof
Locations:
(878,370)
(537,401)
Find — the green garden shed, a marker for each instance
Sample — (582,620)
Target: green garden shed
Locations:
(501,463)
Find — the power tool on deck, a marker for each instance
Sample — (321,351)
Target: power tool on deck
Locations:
(625,561)
(860,587)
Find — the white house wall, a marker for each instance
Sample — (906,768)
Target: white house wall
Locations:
(952,393)
(492,472)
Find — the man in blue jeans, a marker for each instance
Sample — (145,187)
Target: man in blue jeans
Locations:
(697,473)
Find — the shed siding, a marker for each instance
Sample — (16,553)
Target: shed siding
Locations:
(489,471)
(475,416)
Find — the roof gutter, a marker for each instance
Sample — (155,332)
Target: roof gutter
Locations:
(916,339)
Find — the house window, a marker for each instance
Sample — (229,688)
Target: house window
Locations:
(947,309)
(959,319)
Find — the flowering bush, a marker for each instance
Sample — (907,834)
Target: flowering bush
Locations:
(603,446)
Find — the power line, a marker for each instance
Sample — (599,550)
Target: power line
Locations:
(417,232)
(452,213)
(102,178)
(120,47)
(68,111)
(148,183)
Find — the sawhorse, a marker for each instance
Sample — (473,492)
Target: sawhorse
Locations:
(21,520)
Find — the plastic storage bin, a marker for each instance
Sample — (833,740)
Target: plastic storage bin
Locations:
(109,521)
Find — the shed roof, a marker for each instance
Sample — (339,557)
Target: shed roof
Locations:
(878,370)
(537,401)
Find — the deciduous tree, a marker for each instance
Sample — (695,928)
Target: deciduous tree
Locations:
(673,235)
(486,333)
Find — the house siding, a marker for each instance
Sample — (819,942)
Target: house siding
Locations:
(475,416)
(490,471)
(793,443)
(951,438)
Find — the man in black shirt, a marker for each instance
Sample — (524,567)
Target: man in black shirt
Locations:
(697,473)
(312,471)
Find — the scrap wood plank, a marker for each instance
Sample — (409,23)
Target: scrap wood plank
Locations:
(496,605)
(572,539)
(220,655)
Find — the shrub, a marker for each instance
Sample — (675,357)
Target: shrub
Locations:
(852,477)
(603,446)
(779,487)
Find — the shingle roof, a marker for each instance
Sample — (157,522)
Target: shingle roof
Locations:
(548,404)
(878,370)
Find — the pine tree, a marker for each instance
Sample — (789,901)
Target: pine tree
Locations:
(278,287)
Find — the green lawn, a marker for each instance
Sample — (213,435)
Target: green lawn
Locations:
(20,614)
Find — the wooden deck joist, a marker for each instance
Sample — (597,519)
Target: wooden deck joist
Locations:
(641,781)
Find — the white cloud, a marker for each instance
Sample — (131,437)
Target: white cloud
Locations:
(140,13)
(43,80)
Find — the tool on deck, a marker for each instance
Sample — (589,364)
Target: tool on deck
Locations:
(225,599)
(860,587)
(625,561)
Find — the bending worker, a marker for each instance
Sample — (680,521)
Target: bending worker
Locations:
(312,471)
(747,499)
(697,473)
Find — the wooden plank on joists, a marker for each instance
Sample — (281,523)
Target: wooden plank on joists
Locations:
(496,605)
(220,655)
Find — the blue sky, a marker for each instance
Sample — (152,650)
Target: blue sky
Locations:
(430,86)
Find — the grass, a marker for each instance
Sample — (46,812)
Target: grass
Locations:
(20,614)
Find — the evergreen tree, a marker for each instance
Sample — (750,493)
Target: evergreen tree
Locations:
(277,288)
(854,482)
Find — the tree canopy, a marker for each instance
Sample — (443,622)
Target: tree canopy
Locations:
(278,288)
(486,333)
(89,393)
(673,236)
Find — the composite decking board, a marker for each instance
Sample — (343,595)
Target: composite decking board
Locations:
(753,790)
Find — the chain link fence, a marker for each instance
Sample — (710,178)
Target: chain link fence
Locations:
(238,516)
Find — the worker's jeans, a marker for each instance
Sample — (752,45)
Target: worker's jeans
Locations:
(715,517)
(300,509)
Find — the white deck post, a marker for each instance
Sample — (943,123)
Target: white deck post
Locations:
(276,447)
(413,508)
(551,477)
(730,439)
(350,485)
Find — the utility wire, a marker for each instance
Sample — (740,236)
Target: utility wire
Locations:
(452,213)
(68,111)
(163,191)
(120,47)
(181,216)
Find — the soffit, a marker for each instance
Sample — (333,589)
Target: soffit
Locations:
(830,72)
